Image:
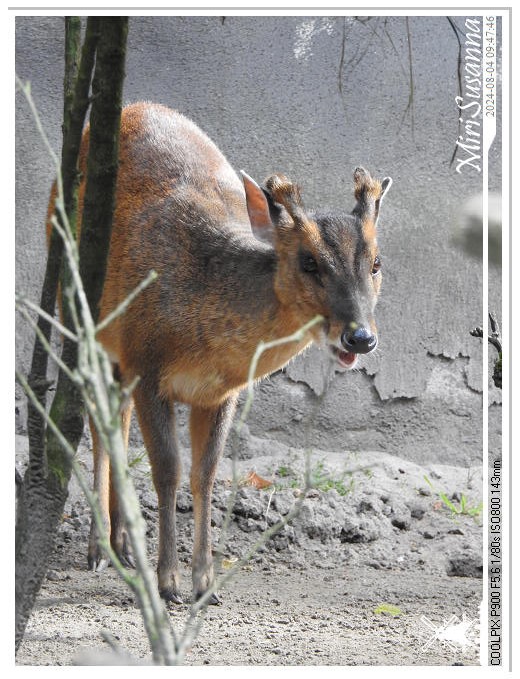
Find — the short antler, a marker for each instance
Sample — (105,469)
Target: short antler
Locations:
(369,193)
(366,188)
(283,191)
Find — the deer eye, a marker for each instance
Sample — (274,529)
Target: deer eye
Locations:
(376,266)
(308,263)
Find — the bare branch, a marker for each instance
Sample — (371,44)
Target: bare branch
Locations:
(73,376)
(121,308)
(298,336)
(495,338)
(21,300)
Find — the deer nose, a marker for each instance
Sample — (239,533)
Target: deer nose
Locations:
(359,341)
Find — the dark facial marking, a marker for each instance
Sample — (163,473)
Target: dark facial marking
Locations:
(347,248)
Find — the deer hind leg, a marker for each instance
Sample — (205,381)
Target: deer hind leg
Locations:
(95,557)
(118,535)
(156,419)
(209,429)
(108,499)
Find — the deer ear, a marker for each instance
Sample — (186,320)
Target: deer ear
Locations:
(258,210)
(385,185)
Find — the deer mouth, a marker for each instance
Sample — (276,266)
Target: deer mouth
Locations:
(346,359)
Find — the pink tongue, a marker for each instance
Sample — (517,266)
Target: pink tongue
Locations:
(346,357)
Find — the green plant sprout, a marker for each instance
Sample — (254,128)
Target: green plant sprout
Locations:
(320,479)
(392,610)
(456,508)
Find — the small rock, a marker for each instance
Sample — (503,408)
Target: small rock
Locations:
(217,517)
(249,525)
(283,502)
(400,516)
(273,517)
(366,506)
(427,535)
(313,493)
(402,522)
(465,565)
(284,539)
(332,498)
(426,492)
(149,500)
(184,503)
(374,564)
(366,530)
(250,504)
(56,576)
(417,512)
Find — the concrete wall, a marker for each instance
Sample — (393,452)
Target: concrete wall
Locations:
(314,97)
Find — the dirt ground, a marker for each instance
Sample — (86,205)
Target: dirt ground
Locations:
(375,570)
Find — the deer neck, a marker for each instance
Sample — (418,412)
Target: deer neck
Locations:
(253,312)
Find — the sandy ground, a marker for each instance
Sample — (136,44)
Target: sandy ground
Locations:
(373,534)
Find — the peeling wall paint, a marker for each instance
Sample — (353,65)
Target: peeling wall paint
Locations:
(306,31)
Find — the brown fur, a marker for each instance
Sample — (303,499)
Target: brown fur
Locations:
(191,335)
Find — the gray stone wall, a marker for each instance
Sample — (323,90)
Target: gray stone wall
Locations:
(314,97)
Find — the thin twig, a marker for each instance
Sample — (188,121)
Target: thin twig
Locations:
(72,375)
(121,308)
(411,96)
(342,56)
(495,338)
(394,48)
(269,506)
(297,336)
(20,300)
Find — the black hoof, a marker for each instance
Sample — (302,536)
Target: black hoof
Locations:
(97,564)
(171,596)
(214,599)
(127,560)
(121,547)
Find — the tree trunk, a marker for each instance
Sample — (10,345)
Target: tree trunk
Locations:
(102,162)
(45,486)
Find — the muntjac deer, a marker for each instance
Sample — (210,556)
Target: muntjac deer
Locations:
(237,264)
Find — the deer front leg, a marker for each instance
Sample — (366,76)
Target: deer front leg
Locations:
(209,428)
(156,419)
